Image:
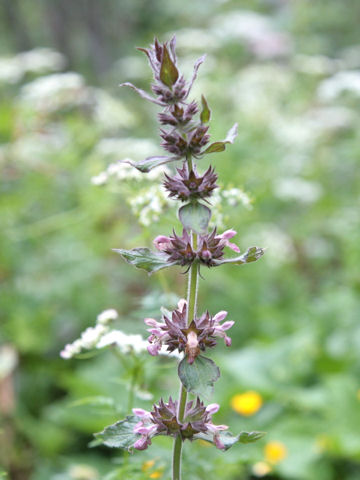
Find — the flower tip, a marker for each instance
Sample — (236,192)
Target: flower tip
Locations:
(153,349)
(212,408)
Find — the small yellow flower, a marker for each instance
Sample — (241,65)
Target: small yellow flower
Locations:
(358,394)
(247,403)
(275,452)
(260,469)
(156,474)
(147,465)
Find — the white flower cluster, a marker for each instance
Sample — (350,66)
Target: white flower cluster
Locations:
(344,81)
(131,343)
(281,248)
(120,170)
(56,91)
(256,31)
(101,336)
(39,60)
(123,170)
(91,336)
(296,188)
(221,199)
(149,204)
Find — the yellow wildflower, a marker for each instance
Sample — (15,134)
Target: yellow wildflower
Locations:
(247,403)
(260,469)
(147,465)
(275,452)
(156,474)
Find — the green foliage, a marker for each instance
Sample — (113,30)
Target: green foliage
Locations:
(199,377)
(145,259)
(195,216)
(119,435)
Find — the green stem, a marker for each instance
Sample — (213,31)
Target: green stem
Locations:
(191,312)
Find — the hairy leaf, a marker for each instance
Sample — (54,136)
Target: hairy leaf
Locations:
(198,62)
(145,259)
(199,377)
(151,162)
(142,93)
(168,71)
(120,434)
(195,216)
(251,255)
(220,146)
(228,439)
(205,112)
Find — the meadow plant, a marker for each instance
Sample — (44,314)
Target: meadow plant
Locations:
(185,137)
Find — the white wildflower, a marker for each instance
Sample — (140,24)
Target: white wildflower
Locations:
(100,179)
(333,87)
(236,196)
(41,60)
(280,248)
(149,204)
(296,188)
(109,112)
(316,64)
(256,31)
(107,316)
(126,343)
(92,335)
(53,92)
(130,343)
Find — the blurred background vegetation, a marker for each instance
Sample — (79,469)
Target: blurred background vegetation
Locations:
(289,73)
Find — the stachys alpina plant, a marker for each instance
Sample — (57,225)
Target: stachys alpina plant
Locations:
(185,136)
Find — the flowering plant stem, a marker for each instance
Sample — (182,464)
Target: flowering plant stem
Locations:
(192,300)
(183,331)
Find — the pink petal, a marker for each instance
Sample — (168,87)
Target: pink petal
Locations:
(142,443)
(161,242)
(227,325)
(220,316)
(228,234)
(212,408)
(140,412)
(151,322)
(233,247)
(153,349)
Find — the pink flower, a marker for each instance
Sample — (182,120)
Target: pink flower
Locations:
(162,242)
(225,240)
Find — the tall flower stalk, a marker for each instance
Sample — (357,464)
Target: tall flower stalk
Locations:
(185,137)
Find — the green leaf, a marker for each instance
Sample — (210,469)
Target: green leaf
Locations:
(220,146)
(195,216)
(251,255)
(151,162)
(146,259)
(168,71)
(199,377)
(228,439)
(216,147)
(119,435)
(206,112)
(250,437)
